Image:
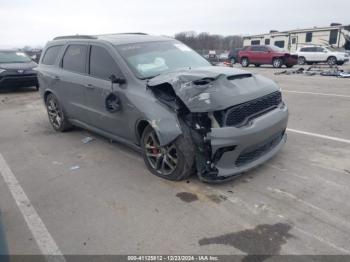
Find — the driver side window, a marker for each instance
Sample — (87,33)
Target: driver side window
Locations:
(102,64)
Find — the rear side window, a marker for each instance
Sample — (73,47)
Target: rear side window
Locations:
(102,64)
(254,48)
(74,58)
(51,55)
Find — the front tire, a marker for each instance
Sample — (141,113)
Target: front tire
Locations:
(233,61)
(168,161)
(56,115)
(245,62)
(332,60)
(277,63)
(301,60)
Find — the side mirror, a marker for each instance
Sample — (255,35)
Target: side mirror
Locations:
(117,80)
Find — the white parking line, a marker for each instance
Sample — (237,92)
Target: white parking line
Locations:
(46,243)
(312,93)
(319,136)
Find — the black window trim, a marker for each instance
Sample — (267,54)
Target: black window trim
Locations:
(89,58)
(65,50)
(57,57)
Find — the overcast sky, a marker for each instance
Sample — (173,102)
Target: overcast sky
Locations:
(25,22)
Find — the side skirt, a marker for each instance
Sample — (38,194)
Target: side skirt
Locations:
(105,134)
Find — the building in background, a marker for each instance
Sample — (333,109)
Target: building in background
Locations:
(335,35)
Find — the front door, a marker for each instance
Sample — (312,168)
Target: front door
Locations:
(107,103)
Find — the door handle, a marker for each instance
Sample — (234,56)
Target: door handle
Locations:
(90,86)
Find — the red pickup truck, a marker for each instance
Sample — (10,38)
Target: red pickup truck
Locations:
(266,55)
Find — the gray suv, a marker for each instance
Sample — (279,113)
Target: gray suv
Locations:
(160,97)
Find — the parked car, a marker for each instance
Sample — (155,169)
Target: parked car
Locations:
(233,55)
(17,70)
(320,54)
(266,55)
(158,96)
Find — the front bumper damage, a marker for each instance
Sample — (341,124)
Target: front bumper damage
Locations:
(224,151)
(245,148)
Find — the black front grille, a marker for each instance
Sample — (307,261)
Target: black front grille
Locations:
(239,115)
(257,151)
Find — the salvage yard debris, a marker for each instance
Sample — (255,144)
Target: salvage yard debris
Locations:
(87,140)
(74,168)
(317,70)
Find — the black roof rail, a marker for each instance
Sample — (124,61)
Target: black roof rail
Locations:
(75,37)
(135,33)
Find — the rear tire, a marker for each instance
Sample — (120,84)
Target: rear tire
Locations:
(245,62)
(277,63)
(173,161)
(56,114)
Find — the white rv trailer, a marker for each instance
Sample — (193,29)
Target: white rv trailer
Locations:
(336,35)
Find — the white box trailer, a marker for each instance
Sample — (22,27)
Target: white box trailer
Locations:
(336,35)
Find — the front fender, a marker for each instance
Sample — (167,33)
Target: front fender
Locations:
(162,119)
(167,129)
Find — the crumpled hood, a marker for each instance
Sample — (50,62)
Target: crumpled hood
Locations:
(214,88)
(18,66)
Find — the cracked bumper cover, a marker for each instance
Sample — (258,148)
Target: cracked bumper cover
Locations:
(249,138)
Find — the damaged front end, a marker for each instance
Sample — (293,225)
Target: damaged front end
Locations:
(218,108)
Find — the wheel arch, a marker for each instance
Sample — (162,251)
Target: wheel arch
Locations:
(166,130)
(46,94)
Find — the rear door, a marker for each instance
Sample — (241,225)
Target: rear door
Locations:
(255,55)
(102,65)
(71,79)
(313,54)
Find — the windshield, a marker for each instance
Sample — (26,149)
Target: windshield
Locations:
(150,59)
(13,57)
(335,49)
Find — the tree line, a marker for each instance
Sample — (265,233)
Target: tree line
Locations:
(204,41)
